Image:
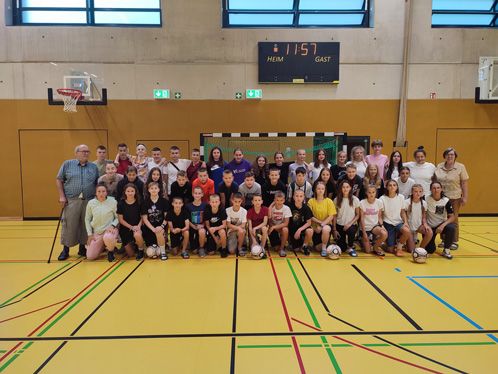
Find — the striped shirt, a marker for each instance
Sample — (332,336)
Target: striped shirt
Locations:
(78,179)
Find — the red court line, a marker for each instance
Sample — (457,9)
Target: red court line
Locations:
(387,356)
(56,312)
(33,311)
(303,323)
(289,324)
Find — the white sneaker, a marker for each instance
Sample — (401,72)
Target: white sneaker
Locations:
(454,246)
(447,253)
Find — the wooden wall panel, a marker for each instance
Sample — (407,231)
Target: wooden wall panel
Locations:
(183,120)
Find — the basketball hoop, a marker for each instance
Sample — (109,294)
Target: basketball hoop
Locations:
(70,98)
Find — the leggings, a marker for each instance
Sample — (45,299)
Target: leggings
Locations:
(448,237)
(346,238)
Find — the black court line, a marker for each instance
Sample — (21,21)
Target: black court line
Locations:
(243,335)
(234,318)
(479,244)
(75,331)
(388,299)
(375,336)
(43,285)
(481,235)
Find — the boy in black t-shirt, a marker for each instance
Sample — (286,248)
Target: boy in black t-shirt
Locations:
(181,188)
(197,229)
(178,223)
(300,231)
(227,188)
(354,180)
(270,188)
(215,218)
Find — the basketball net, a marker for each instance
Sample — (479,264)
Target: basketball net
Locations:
(70,98)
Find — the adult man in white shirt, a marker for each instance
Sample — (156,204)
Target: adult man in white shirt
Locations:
(175,165)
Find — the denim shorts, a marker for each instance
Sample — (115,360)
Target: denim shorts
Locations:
(392,232)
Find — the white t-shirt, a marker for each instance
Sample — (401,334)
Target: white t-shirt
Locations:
(315,172)
(172,171)
(152,164)
(422,174)
(278,216)
(415,215)
(236,218)
(346,212)
(392,209)
(292,170)
(361,167)
(370,213)
(405,189)
(437,211)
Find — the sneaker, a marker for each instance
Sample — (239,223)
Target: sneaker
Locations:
(120,251)
(306,250)
(110,256)
(185,255)
(323,253)
(140,255)
(351,252)
(164,256)
(64,254)
(440,245)
(201,252)
(223,252)
(454,246)
(447,253)
(242,253)
(82,250)
(282,253)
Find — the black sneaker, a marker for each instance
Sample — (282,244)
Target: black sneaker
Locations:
(164,256)
(185,255)
(306,250)
(110,256)
(224,252)
(140,255)
(447,253)
(64,254)
(82,251)
(120,251)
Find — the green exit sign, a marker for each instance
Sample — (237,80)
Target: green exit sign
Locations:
(161,94)
(254,94)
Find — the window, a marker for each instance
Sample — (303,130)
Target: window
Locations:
(465,13)
(296,13)
(88,12)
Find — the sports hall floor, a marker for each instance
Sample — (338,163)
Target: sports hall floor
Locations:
(292,315)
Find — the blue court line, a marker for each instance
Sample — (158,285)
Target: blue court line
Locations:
(454,276)
(445,303)
(398,270)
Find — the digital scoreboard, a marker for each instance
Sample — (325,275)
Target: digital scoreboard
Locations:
(298,62)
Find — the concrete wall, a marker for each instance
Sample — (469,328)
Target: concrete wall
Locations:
(191,53)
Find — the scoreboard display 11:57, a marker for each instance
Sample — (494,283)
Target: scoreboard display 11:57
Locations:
(298,62)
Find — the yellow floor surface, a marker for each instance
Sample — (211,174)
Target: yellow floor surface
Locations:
(280,315)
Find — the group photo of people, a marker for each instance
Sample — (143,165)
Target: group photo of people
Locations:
(153,205)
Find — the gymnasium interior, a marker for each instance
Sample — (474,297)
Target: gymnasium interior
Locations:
(192,74)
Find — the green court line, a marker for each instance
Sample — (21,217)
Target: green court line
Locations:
(34,285)
(435,344)
(29,344)
(315,320)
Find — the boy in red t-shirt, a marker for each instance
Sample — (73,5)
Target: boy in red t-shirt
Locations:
(257,217)
(205,183)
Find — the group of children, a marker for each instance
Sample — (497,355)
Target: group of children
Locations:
(201,217)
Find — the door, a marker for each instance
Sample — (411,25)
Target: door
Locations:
(42,153)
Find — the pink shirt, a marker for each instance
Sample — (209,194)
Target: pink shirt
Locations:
(381,161)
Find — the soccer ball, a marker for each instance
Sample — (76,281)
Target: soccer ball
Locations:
(257,252)
(153,251)
(333,252)
(419,255)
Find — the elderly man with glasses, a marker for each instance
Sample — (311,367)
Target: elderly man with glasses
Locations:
(76,183)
